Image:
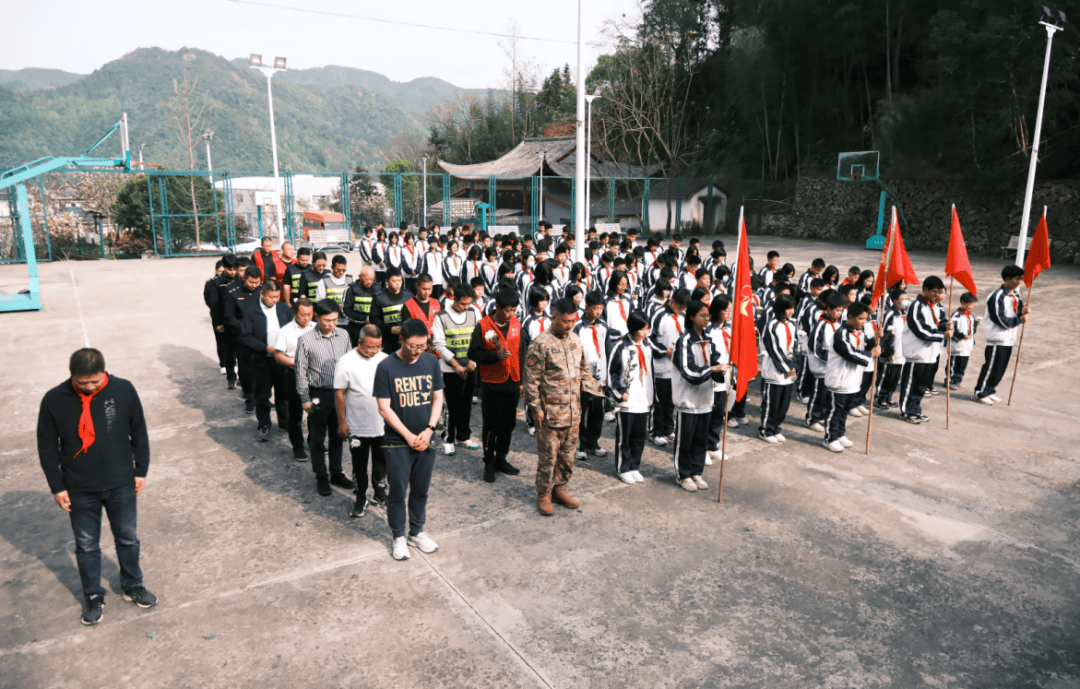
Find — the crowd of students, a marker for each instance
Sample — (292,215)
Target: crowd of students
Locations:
(654,320)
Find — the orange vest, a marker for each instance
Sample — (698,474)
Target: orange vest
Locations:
(504,368)
(416,312)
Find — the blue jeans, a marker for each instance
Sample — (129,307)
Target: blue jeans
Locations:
(119,505)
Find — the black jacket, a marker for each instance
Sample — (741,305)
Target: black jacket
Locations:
(253,327)
(213,295)
(121,449)
(237,300)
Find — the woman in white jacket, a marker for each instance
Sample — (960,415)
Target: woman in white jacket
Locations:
(630,386)
(851,352)
(697,365)
(719,314)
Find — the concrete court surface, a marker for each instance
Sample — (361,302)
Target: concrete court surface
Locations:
(945,558)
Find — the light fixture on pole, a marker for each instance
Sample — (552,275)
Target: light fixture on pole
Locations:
(579,143)
(1054,21)
(206,136)
(423,180)
(255,62)
(589,98)
(140,151)
(540,208)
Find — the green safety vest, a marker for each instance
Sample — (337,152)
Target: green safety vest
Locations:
(335,291)
(458,336)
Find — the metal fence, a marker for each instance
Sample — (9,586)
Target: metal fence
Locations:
(188,213)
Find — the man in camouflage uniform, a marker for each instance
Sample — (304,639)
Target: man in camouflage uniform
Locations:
(555,377)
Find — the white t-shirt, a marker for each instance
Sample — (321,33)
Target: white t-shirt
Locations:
(289,335)
(356,375)
(272,326)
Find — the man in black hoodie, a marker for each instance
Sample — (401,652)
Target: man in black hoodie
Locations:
(95,452)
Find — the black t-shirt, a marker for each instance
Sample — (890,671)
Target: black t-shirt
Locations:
(410,388)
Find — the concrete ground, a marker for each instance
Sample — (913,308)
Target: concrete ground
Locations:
(944,558)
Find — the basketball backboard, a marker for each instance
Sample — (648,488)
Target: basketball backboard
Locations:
(858,166)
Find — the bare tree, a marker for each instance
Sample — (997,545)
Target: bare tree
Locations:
(185,120)
(522,76)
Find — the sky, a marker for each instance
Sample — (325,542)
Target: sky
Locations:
(80,36)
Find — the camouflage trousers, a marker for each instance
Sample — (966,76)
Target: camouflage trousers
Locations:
(555,448)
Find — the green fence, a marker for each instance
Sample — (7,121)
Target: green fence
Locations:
(113,214)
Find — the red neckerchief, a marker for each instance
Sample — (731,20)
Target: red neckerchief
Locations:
(933,311)
(641,362)
(727,339)
(858,338)
(704,351)
(622,308)
(971,323)
(595,339)
(86,422)
(675,317)
(412,250)
(787,330)
(1016,303)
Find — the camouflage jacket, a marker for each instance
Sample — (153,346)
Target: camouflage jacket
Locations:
(555,376)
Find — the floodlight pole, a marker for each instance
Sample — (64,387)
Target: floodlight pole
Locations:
(589,98)
(206,136)
(423,214)
(580,181)
(1021,246)
(540,209)
(269,72)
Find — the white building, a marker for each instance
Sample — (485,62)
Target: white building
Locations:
(249,193)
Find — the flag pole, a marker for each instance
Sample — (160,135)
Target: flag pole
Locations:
(889,244)
(1020,344)
(727,407)
(948,360)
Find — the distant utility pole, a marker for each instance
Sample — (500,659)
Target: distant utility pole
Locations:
(206,136)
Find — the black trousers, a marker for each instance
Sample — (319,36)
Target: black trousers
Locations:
(266,378)
(592,422)
(230,353)
(291,399)
(360,449)
(805,379)
(836,423)
(499,411)
(354,332)
(716,419)
(457,407)
(691,441)
(630,432)
(775,401)
(322,423)
(243,370)
(820,401)
(914,380)
(958,364)
(663,422)
(993,369)
(864,388)
(738,410)
(222,342)
(888,379)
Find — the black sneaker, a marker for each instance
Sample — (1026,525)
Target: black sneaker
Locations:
(923,417)
(359,508)
(379,498)
(489,473)
(881,405)
(264,434)
(140,596)
(92,609)
(954,386)
(914,420)
(299,454)
(507,468)
(249,407)
(322,484)
(342,481)
(230,385)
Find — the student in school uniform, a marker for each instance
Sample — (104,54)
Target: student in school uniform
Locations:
(927,328)
(965,324)
(667,327)
(619,304)
(819,345)
(697,366)
(630,387)
(892,349)
(536,322)
(719,315)
(815,270)
(411,256)
(851,353)
(806,315)
(593,333)
(860,400)
(768,271)
(1005,312)
(778,370)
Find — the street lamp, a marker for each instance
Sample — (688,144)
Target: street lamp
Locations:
(255,62)
(1054,21)
(423,214)
(589,98)
(140,152)
(540,207)
(206,136)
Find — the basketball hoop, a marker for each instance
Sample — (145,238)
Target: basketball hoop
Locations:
(858,166)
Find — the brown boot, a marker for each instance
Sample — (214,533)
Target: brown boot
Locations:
(560,496)
(543,501)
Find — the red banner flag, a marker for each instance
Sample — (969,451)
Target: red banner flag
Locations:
(956,261)
(743,335)
(900,269)
(1038,258)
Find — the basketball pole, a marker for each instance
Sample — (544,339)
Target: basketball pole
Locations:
(889,245)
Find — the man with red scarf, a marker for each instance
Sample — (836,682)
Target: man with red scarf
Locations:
(95,452)
(268,261)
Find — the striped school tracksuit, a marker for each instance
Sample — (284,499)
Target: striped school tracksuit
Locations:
(692,393)
(1003,310)
(923,340)
(630,369)
(964,324)
(843,377)
(778,340)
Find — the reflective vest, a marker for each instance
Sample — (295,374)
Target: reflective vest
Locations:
(294,272)
(362,299)
(504,368)
(390,306)
(458,337)
(335,291)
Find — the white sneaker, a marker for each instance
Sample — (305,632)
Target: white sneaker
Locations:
(982,400)
(469,444)
(638,477)
(733,422)
(855,412)
(600,452)
(687,484)
(532,431)
(771,439)
(580,454)
(995,398)
(708,459)
(844,441)
(780,437)
(609,416)
(222,371)
(476,400)
(660,442)
(423,543)
(627,477)
(716,456)
(401,549)
(699,482)
(835,446)
(448,449)
(864,410)
(743,421)
(816,426)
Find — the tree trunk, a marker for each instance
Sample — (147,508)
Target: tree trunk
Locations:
(896,54)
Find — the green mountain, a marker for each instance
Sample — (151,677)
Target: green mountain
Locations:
(36,78)
(318,128)
(417,95)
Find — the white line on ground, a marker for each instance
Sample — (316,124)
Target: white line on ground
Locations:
(86,337)
(1050,364)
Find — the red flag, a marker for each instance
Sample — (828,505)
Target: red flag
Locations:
(1038,258)
(956,262)
(900,269)
(743,335)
